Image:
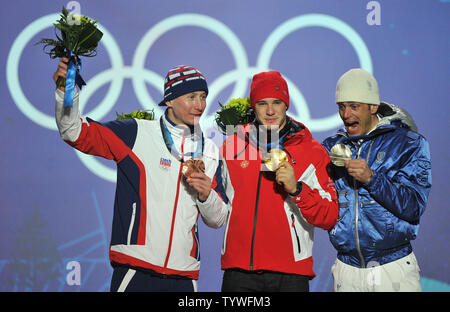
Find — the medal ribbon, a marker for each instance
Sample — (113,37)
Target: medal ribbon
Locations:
(73,77)
(171,146)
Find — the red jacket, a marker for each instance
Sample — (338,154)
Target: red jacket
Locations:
(267,228)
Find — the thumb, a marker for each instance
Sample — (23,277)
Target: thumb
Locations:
(284,164)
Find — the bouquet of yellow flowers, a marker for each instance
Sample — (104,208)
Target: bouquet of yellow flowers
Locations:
(145,114)
(236,112)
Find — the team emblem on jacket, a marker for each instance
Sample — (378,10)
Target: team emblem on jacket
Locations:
(380,157)
(244,163)
(165,163)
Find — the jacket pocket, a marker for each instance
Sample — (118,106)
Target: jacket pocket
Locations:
(225,234)
(131,226)
(195,250)
(378,224)
(342,234)
(300,231)
(297,239)
(296,231)
(344,204)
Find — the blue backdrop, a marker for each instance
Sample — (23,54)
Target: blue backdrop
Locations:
(56,208)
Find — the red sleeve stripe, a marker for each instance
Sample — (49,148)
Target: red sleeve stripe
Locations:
(99,140)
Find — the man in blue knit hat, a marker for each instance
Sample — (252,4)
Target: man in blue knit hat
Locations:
(185,92)
(167,175)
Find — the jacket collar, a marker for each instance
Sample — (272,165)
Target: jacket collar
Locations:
(379,129)
(390,117)
(174,134)
(293,130)
(178,131)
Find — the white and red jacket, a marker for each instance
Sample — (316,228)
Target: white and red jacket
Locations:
(267,228)
(155,210)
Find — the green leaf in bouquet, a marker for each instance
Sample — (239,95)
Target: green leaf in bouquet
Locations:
(58,49)
(229,116)
(89,38)
(63,28)
(64,13)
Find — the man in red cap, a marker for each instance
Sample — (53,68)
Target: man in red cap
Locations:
(277,202)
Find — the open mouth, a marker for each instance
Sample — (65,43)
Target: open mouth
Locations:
(351,127)
(351,124)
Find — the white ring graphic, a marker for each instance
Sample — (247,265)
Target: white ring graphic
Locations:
(202,21)
(311,20)
(241,75)
(12,73)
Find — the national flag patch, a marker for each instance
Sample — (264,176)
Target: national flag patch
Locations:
(165,163)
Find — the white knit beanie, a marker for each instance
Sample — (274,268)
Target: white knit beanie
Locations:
(357,85)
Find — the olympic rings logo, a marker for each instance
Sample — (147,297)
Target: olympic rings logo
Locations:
(139,75)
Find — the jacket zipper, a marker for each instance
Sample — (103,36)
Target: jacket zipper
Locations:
(296,235)
(175,207)
(130,229)
(290,157)
(254,219)
(358,248)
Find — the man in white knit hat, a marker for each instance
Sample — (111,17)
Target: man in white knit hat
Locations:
(383,178)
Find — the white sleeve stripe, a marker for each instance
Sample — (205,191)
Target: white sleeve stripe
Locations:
(309,177)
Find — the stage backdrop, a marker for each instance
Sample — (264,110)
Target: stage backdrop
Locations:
(56,204)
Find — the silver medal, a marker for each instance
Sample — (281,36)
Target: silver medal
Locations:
(339,154)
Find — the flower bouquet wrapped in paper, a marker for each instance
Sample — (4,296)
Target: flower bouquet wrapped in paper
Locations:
(78,37)
(236,112)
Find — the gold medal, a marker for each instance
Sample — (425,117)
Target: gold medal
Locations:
(274,158)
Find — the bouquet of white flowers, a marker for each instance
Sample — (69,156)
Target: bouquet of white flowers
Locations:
(76,39)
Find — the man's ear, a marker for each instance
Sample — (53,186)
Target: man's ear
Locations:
(169,103)
(373,109)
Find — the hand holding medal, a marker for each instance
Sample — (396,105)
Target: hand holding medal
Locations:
(277,161)
(193,166)
(194,172)
(275,157)
(339,153)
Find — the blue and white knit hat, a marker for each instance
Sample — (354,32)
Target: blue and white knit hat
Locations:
(181,80)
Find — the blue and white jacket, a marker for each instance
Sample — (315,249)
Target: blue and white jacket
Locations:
(155,210)
(378,220)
